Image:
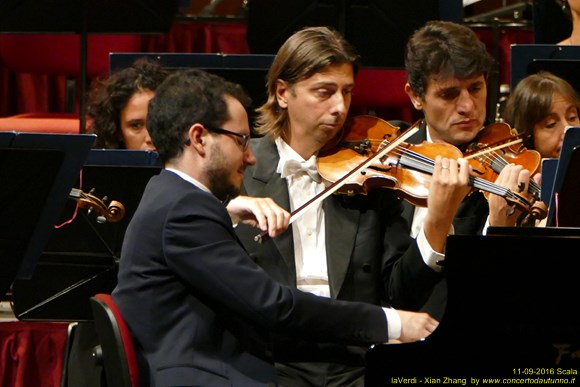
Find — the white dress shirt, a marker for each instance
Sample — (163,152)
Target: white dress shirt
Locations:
(430,256)
(309,229)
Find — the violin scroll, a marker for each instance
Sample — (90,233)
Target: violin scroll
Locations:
(113,212)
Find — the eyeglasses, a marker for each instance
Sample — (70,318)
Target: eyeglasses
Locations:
(244,139)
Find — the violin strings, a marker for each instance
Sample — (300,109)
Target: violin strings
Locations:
(425,164)
(498,163)
(422,163)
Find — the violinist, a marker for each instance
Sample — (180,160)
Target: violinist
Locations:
(342,247)
(447,68)
(198,308)
(541,107)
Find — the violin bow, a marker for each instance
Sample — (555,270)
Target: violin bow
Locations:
(343,180)
(487,150)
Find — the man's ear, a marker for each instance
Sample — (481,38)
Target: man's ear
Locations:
(415,100)
(282,89)
(196,134)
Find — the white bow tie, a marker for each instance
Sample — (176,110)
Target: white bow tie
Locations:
(295,167)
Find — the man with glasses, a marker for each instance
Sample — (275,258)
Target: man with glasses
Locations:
(242,139)
(199,309)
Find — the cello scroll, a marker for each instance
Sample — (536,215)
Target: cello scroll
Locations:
(113,212)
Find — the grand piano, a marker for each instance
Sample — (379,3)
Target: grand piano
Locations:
(512,312)
(513,309)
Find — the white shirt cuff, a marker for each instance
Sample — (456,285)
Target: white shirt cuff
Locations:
(394,323)
(431,257)
(484,231)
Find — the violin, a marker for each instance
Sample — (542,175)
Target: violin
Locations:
(407,168)
(371,153)
(498,145)
(335,186)
(113,212)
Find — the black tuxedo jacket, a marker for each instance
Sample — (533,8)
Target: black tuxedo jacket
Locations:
(367,240)
(469,220)
(472,213)
(199,308)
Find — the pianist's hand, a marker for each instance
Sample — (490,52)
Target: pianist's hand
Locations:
(416,326)
(263,213)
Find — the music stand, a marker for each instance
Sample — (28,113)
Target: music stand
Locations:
(87,16)
(248,70)
(37,172)
(564,210)
(81,257)
(528,59)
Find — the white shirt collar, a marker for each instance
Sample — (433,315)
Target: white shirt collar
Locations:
(188,178)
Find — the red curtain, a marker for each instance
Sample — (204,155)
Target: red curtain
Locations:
(24,93)
(32,353)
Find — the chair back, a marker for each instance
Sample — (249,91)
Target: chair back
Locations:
(118,351)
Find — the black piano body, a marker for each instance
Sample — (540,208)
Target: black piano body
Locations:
(513,312)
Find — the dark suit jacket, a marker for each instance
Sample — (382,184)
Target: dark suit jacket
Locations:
(198,306)
(469,220)
(367,240)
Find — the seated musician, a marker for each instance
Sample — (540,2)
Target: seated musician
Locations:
(117,114)
(340,247)
(541,107)
(200,311)
(117,111)
(117,107)
(447,68)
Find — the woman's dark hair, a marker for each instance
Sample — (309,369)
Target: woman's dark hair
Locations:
(108,97)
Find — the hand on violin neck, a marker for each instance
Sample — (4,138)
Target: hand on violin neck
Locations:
(447,189)
(515,178)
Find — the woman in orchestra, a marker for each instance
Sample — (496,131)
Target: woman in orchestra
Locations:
(117,113)
(117,107)
(540,108)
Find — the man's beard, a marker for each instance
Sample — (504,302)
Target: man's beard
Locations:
(218,174)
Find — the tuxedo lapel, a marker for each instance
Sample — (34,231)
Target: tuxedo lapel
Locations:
(265,182)
(341,228)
